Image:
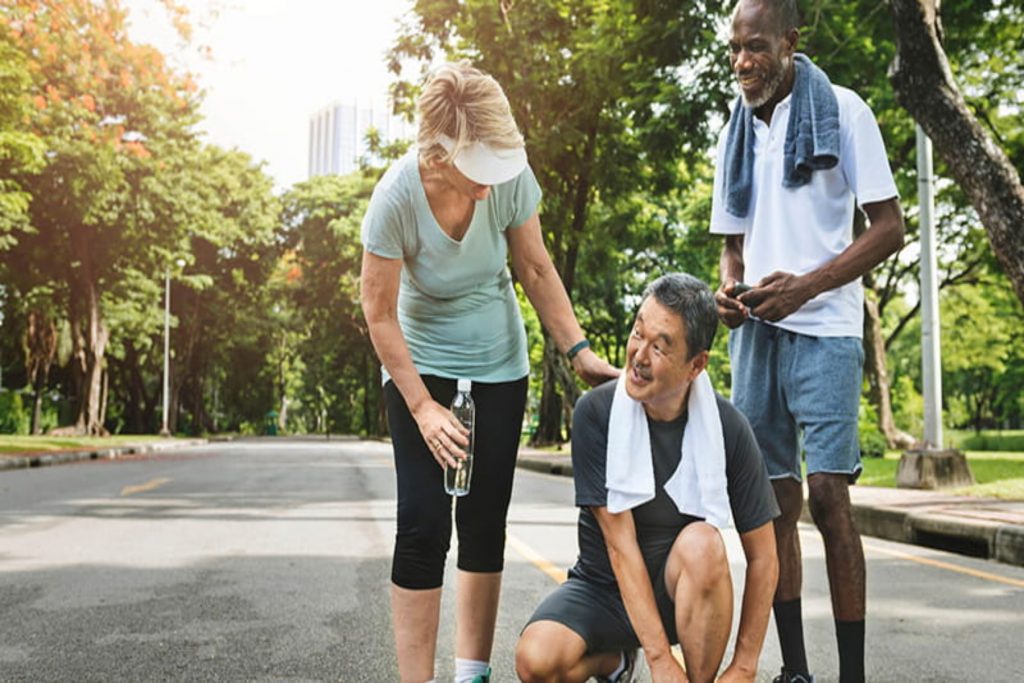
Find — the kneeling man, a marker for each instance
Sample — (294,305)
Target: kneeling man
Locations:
(661,463)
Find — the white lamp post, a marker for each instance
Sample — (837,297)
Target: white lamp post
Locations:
(931,466)
(164,431)
(931,355)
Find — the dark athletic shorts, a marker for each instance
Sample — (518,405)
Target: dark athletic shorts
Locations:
(596,612)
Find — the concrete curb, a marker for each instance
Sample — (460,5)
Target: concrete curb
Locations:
(64,457)
(547,464)
(1009,545)
(986,538)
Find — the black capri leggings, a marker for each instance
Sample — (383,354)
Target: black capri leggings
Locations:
(425,510)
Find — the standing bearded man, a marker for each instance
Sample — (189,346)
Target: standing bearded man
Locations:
(797,157)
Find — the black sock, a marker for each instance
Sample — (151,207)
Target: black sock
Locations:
(850,635)
(790,625)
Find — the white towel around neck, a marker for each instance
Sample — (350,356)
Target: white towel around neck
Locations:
(698,487)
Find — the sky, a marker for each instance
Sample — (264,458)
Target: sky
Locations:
(274,63)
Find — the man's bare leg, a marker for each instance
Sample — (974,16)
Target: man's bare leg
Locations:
(550,652)
(697,577)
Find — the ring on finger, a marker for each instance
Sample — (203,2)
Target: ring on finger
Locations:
(437,444)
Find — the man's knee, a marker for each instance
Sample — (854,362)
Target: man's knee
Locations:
(698,558)
(790,495)
(543,653)
(829,502)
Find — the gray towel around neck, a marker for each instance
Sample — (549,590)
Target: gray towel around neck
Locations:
(812,137)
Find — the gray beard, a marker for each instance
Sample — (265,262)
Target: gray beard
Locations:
(770,87)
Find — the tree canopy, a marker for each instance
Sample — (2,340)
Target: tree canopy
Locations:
(107,191)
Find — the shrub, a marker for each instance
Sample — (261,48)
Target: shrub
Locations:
(993,441)
(14,418)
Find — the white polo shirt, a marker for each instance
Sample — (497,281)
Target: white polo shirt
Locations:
(799,229)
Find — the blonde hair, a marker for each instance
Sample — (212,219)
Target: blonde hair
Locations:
(467,105)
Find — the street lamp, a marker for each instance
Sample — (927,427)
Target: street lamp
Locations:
(164,431)
(930,466)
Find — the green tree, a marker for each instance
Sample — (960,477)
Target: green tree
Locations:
(114,118)
(982,363)
(604,95)
(20,150)
(219,299)
(969,137)
(341,377)
(237,261)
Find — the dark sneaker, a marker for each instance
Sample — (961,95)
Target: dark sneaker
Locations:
(485,677)
(627,674)
(789,677)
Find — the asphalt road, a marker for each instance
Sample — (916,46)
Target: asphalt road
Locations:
(269,561)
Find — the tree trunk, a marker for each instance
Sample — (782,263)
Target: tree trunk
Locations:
(925,87)
(37,411)
(135,387)
(104,394)
(199,418)
(878,379)
(581,203)
(41,347)
(91,333)
(174,399)
(977,412)
(184,354)
(282,385)
(282,415)
(549,412)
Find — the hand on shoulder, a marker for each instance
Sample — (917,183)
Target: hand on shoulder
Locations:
(593,369)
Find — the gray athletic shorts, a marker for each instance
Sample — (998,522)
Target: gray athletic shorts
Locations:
(596,612)
(800,393)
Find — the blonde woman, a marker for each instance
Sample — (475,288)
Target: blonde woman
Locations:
(438,298)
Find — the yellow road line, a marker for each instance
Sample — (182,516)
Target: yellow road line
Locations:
(946,565)
(538,561)
(142,488)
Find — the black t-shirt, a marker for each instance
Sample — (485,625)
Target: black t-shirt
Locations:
(658,521)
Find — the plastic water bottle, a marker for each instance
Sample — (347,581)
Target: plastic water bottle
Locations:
(456,479)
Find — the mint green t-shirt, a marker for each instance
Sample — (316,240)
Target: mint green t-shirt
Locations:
(456,304)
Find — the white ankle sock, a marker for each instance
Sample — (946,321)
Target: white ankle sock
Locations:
(467,669)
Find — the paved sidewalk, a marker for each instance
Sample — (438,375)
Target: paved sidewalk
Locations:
(982,527)
(43,459)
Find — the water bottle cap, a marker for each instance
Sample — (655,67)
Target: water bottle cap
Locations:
(465,384)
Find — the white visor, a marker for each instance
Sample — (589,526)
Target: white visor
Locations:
(484,164)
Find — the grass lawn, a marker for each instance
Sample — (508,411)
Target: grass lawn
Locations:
(1000,474)
(45,444)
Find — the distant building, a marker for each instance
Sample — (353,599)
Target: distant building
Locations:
(337,135)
